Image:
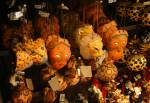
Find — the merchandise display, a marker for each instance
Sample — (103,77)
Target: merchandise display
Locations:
(82,51)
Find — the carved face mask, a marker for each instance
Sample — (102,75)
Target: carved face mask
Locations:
(91,46)
(59,55)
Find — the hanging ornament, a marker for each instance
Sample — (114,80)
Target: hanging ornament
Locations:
(89,43)
(107,71)
(121,9)
(118,39)
(146,17)
(136,62)
(49,96)
(134,11)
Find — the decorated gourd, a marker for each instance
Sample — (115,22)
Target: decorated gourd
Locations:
(107,71)
(136,62)
(146,17)
(134,11)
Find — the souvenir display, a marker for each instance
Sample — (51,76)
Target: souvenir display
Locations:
(75,51)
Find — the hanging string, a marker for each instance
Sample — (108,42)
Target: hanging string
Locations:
(98,7)
(84,14)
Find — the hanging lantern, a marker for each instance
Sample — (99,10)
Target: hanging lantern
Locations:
(136,62)
(107,71)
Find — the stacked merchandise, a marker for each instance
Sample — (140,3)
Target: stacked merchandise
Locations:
(89,60)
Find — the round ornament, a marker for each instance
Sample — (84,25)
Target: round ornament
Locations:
(136,62)
(146,17)
(121,9)
(126,54)
(134,11)
(107,71)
